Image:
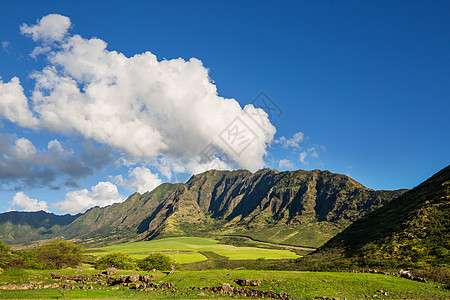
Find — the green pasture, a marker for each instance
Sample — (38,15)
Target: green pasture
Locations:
(300,285)
(186,250)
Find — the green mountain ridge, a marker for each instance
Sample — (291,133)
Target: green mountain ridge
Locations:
(15,225)
(410,231)
(293,207)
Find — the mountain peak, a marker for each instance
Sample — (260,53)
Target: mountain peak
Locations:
(297,207)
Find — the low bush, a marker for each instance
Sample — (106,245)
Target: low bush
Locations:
(118,260)
(158,261)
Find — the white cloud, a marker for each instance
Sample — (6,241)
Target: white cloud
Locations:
(24,148)
(55,145)
(310,152)
(28,204)
(140,180)
(294,142)
(285,164)
(50,28)
(302,157)
(14,104)
(40,50)
(146,108)
(103,194)
(6,46)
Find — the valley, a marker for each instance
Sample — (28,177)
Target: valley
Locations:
(217,228)
(188,249)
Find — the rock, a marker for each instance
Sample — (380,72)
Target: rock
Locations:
(408,275)
(55,276)
(248,282)
(147,278)
(70,281)
(125,279)
(110,271)
(166,285)
(157,286)
(227,289)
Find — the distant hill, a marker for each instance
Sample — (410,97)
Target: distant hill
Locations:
(18,226)
(294,207)
(411,231)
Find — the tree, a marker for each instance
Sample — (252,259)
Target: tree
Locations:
(157,261)
(118,260)
(59,254)
(6,255)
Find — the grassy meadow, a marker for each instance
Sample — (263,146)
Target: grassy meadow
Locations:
(189,250)
(300,285)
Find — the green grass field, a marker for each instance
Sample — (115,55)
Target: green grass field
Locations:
(186,250)
(301,285)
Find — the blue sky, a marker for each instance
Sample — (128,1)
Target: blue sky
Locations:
(355,87)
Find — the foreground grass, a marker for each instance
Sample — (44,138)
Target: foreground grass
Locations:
(187,250)
(301,285)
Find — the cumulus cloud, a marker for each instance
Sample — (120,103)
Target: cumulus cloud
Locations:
(28,204)
(14,104)
(50,28)
(22,165)
(103,194)
(285,164)
(55,145)
(140,180)
(144,107)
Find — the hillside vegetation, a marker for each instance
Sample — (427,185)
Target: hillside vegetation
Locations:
(411,231)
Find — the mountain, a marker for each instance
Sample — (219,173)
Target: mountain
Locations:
(293,207)
(28,226)
(410,231)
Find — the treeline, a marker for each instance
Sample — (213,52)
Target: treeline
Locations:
(64,254)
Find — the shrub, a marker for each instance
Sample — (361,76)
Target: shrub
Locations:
(59,254)
(158,261)
(118,260)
